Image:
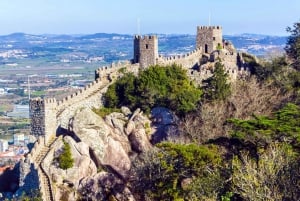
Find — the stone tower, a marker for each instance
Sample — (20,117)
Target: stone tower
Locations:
(209,38)
(145,50)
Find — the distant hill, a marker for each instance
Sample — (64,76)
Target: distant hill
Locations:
(104,48)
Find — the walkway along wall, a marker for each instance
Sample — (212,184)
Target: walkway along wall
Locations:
(187,61)
(47,115)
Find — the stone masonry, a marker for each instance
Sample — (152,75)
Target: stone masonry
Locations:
(49,115)
(145,50)
(209,38)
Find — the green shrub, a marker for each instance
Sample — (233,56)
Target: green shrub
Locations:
(65,159)
(102,112)
(292,46)
(284,125)
(162,172)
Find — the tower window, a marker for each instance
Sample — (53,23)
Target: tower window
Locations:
(206,48)
(147,46)
(214,38)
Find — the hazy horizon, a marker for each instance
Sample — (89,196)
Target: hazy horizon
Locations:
(132,34)
(135,16)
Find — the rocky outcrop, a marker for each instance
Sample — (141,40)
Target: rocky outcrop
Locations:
(113,141)
(105,144)
(83,165)
(113,138)
(105,138)
(164,124)
(105,186)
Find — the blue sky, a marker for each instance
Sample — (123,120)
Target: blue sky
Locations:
(156,16)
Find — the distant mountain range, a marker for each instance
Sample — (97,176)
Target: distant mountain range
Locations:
(103,48)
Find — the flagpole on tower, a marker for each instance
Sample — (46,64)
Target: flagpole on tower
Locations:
(209,18)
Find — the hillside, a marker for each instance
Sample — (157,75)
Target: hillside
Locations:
(103,48)
(215,124)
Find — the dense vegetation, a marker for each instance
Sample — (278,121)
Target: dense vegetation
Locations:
(240,143)
(179,171)
(217,87)
(293,45)
(166,86)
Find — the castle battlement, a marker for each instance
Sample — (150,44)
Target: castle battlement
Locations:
(81,93)
(49,116)
(208,27)
(146,37)
(209,38)
(50,100)
(176,58)
(185,60)
(145,50)
(103,71)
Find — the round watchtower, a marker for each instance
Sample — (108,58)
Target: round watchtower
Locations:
(209,38)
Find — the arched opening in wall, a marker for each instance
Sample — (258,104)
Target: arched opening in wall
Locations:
(206,48)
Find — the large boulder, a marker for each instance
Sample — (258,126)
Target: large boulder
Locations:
(139,140)
(83,165)
(164,124)
(117,122)
(138,130)
(105,186)
(111,148)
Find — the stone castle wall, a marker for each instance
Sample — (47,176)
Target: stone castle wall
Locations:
(37,116)
(145,50)
(208,38)
(30,174)
(48,115)
(187,60)
(206,71)
(113,71)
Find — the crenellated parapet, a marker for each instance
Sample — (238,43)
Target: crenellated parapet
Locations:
(145,50)
(210,38)
(187,60)
(49,115)
(81,95)
(106,71)
(208,27)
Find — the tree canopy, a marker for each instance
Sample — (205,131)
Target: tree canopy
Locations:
(167,86)
(65,159)
(217,87)
(283,126)
(293,45)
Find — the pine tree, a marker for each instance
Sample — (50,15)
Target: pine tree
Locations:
(65,159)
(217,87)
(293,45)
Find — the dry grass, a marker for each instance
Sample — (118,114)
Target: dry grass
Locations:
(247,98)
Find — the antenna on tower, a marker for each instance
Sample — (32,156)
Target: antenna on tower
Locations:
(138,26)
(28,85)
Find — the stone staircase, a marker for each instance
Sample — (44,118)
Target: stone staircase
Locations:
(45,184)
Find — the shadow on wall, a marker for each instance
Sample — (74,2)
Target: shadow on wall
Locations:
(31,180)
(9,180)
